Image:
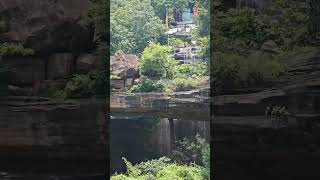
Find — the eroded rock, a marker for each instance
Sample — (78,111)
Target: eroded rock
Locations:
(47,26)
(124,65)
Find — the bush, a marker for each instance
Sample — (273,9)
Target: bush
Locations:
(7,49)
(179,172)
(182,84)
(155,62)
(80,86)
(147,85)
(234,71)
(176,41)
(152,167)
(242,28)
(159,169)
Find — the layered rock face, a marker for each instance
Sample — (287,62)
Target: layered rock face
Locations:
(60,33)
(188,105)
(48,131)
(250,143)
(41,129)
(125,67)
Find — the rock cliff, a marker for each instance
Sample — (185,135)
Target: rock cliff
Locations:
(250,144)
(47,130)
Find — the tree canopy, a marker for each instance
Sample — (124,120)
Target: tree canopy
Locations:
(134,25)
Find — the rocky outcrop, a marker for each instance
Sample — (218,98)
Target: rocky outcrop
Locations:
(47,26)
(270,47)
(61,35)
(189,105)
(46,129)
(124,65)
(249,143)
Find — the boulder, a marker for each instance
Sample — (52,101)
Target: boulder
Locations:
(124,65)
(25,70)
(270,47)
(59,65)
(86,62)
(47,26)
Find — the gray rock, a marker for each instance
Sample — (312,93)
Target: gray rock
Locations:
(270,46)
(86,62)
(59,65)
(46,26)
(25,70)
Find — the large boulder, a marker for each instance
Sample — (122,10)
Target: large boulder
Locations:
(25,70)
(270,47)
(124,65)
(59,65)
(47,26)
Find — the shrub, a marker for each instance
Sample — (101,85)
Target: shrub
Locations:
(8,49)
(233,71)
(152,167)
(159,169)
(188,70)
(147,85)
(176,41)
(179,172)
(204,48)
(155,62)
(80,86)
(182,84)
(224,74)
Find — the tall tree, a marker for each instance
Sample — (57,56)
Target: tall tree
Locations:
(133,26)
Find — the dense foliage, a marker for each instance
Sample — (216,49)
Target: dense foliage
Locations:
(240,35)
(155,62)
(195,153)
(133,25)
(10,49)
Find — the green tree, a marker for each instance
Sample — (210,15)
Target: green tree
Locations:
(133,25)
(156,63)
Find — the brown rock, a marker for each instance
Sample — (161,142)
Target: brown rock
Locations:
(124,65)
(59,65)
